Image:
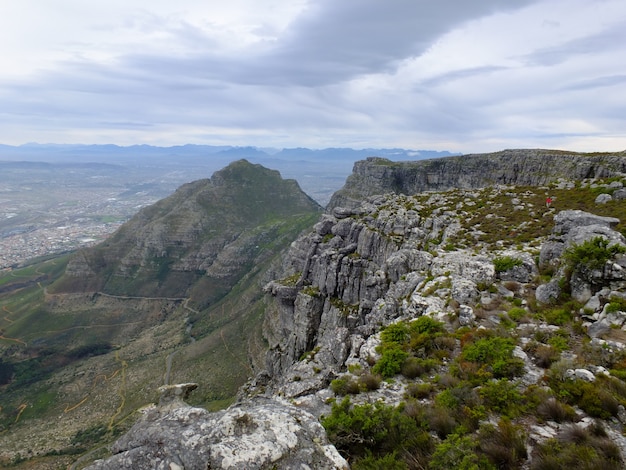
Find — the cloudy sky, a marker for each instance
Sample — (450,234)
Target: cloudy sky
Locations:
(458,75)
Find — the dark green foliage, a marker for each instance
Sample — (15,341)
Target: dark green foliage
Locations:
(407,348)
(592,397)
(460,453)
(363,431)
(390,362)
(616,304)
(6,372)
(90,435)
(505,263)
(558,316)
(502,397)
(517,313)
(420,390)
(349,385)
(89,350)
(386,462)
(553,410)
(486,358)
(591,254)
(463,404)
(369,382)
(416,366)
(395,333)
(345,385)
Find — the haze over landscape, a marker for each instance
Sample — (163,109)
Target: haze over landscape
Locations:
(458,76)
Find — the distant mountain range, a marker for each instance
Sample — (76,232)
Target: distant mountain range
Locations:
(320,172)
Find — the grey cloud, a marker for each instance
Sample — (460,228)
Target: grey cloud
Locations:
(611,39)
(599,82)
(334,41)
(462,75)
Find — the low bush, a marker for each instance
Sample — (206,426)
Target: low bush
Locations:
(553,410)
(501,396)
(416,366)
(345,385)
(517,314)
(591,254)
(459,452)
(364,431)
(420,390)
(504,444)
(390,362)
(506,263)
(489,357)
(575,447)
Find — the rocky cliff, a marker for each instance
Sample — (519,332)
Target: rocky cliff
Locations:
(519,167)
(469,327)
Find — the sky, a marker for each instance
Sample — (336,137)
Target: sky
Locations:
(457,75)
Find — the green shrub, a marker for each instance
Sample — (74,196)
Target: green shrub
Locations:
(592,397)
(556,316)
(463,404)
(591,254)
(420,390)
(501,396)
(517,313)
(386,462)
(577,448)
(553,410)
(616,304)
(459,452)
(416,366)
(390,362)
(505,263)
(344,385)
(489,357)
(395,333)
(369,382)
(375,430)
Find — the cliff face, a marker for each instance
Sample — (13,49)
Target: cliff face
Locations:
(518,167)
(393,259)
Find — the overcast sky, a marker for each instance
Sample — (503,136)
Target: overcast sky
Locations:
(457,75)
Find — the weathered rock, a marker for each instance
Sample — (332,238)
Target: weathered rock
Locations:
(259,434)
(524,272)
(174,396)
(466,315)
(548,292)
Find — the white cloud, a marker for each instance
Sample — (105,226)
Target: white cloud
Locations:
(462,76)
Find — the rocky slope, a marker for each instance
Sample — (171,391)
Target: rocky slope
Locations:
(464,328)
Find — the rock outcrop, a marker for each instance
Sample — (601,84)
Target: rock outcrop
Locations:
(574,227)
(261,434)
(517,167)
